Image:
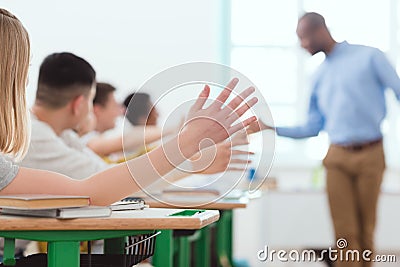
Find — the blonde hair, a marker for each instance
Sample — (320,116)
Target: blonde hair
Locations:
(14,64)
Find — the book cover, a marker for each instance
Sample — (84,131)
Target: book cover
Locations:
(41,201)
(61,213)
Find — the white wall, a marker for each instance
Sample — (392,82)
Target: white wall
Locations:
(126,41)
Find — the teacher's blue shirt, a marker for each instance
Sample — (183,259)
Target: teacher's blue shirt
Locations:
(347,99)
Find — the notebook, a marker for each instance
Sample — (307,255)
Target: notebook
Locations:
(61,213)
(40,201)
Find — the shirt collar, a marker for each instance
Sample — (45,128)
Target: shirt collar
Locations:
(337,48)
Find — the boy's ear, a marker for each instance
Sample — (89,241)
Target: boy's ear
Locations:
(96,109)
(76,104)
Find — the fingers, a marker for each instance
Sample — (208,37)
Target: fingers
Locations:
(242,152)
(239,141)
(225,116)
(254,127)
(228,144)
(241,125)
(239,138)
(201,100)
(239,161)
(224,95)
(240,111)
(238,100)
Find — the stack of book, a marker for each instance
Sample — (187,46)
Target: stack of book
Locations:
(62,207)
(53,206)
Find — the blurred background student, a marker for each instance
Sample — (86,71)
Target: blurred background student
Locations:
(141,114)
(106,140)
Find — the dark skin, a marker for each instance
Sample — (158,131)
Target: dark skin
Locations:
(313,34)
(314,37)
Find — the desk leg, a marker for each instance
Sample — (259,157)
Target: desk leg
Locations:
(184,252)
(114,245)
(224,238)
(63,254)
(9,252)
(164,251)
(202,248)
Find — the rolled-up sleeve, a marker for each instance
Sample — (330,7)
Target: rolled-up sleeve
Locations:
(8,171)
(386,72)
(315,123)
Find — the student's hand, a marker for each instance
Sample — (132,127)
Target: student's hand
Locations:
(257,126)
(218,158)
(212,125)
(174,129)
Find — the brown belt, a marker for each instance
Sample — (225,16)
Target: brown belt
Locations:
(360,146)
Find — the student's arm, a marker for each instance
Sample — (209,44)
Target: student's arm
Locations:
(214,123)
(104,146)
(134,138)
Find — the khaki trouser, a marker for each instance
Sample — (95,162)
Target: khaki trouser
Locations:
(353,185)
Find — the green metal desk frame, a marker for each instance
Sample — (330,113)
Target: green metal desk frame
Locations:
(224,238)
(171,251)
(63,246)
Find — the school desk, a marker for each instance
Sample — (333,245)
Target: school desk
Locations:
(64,236)
(224,233)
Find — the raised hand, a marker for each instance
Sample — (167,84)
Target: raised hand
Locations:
(212,125)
